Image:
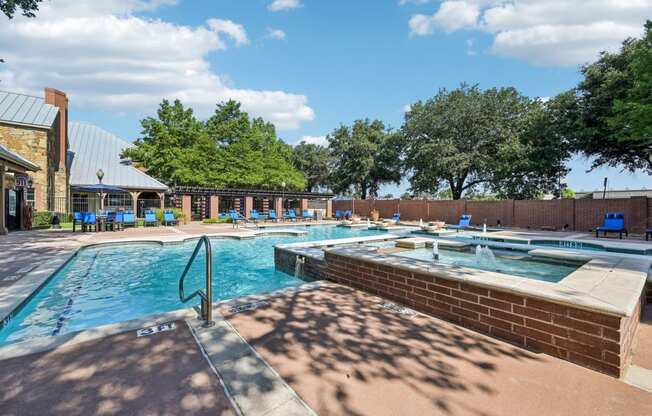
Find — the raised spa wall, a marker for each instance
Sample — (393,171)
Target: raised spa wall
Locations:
(592,339)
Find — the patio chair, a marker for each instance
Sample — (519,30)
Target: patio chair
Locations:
(236,217)
(307,215)
(290,215)
(254,216)
(648,233)
(89,221)
(129,218)
(338,214)
(396,217)
(77,218)
(465,222)
(614,222)
(150,219)
(109,220)
(118,221)
(168,218)
(271,215)
(348,214)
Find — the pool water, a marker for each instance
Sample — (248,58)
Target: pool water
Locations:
(103,285)
(506,262)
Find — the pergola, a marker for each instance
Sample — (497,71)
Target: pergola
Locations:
(13,163)
(274,197)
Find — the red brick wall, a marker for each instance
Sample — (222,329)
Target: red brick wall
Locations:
(578,214)
(591,339)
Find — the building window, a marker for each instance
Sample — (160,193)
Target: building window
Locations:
(29,197)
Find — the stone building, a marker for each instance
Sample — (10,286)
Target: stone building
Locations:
(36,129)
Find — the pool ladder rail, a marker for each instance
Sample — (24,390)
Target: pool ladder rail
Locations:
(205,310)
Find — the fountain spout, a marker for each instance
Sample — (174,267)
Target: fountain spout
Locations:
(298,266)
(435,250)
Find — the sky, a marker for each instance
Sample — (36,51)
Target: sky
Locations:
(309,65)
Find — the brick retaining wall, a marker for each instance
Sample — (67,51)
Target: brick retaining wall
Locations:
(576,214)
(591,339)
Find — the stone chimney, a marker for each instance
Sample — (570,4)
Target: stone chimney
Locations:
(58,99)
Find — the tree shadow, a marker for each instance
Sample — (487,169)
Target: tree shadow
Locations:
(346,354)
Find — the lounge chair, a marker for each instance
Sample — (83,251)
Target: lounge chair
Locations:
(77,218)
(271,215)
(348,214)
(307,215)
(129,218)
(254,216)
(118,222)
(465,222)
(614,222)
(168,218)
(290,215)
(338,214)
(236,217)
(89,221)
(396,217)
(648,232)
(150,219)
(109,220)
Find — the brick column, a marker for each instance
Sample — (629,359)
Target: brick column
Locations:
(329,208)
(214,206)
(249,205)
(186,202)
(636,222)
(161,196)
(265,206)
(278,206)
(3,220)
(304,204)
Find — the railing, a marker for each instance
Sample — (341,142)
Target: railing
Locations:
(206,311)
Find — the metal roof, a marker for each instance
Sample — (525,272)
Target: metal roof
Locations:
(95,148)
(239,192)
(26,110)
(17,159)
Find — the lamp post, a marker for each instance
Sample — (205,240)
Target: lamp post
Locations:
(100,176)
(283,195)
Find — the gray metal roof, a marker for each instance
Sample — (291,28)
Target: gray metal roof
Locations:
(95,148)
(16,159)
(26,110)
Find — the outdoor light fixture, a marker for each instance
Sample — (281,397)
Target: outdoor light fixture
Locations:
(30,182)
(100,174)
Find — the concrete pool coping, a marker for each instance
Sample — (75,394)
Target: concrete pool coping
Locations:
(608,282)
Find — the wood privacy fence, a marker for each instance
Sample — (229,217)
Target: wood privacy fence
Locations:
(574,214)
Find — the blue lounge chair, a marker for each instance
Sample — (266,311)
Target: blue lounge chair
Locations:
(614,222)
(119,221)
(307,215)
(150,219)
(338,214)
(290,215)
(254,216)
(77,218)
(465,222)
(236,217)
(348,214)
(108,218)
(129,218)
(168,218)
(396,217)
(271,215)
(89,221)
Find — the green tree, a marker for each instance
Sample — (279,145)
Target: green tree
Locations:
(365,156)
(615,98)
(228,150)
(468,138)
(314,161)
(28,7)
(567,193)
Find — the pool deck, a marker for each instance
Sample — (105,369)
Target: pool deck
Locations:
(335,348)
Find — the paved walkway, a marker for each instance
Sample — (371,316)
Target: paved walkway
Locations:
(346,355)
(160,374)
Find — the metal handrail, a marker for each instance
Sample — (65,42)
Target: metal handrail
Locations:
(206,312)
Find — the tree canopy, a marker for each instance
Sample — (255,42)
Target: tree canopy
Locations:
(468,138)
(315,162)
(615,99)
(228,150)
(366,155)
(28,7)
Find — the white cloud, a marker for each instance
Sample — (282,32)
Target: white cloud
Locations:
(234,30)
(108,59)
(278,5)
(276,33)
(319,140)
(451,16)
(544,32)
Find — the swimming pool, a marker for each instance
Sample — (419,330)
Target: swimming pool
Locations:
(505,262)
(114,283)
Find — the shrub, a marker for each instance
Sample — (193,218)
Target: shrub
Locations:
(178,214)
(216,220)
(42,219)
